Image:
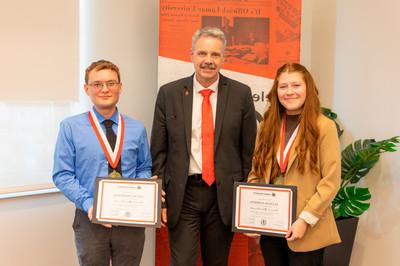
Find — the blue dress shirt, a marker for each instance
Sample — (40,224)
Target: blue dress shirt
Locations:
(79,158)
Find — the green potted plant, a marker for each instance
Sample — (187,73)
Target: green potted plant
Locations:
(352,200)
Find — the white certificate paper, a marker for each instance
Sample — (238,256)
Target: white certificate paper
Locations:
(131,202)
(264,209)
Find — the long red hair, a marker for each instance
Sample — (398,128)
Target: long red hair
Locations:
(268,138)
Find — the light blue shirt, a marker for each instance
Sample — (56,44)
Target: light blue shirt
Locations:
(79,158)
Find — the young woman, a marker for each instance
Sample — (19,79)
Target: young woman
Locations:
(297,145)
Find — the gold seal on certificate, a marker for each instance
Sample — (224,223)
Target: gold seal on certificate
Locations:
(264,209)
(127,201)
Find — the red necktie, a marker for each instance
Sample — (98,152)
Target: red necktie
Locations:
(207,136)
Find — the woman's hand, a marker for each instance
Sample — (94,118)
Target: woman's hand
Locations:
(297,230)
(252,235)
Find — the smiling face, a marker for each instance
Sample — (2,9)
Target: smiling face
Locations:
(207,58)
(292,92)
(103,89)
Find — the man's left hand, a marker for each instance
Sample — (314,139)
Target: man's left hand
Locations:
(162,190)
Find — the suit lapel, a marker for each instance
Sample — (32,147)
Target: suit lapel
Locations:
(222,99)
(187,103)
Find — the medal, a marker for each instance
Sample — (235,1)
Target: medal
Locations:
(112,156)
(279,180)
(114,174)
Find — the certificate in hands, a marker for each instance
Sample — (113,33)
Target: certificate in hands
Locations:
(127,201)
(264,208)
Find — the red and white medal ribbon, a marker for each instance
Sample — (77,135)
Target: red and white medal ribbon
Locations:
(284,151)
(112,156)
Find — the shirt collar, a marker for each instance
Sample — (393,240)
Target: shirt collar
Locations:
(198,87)
(101,118)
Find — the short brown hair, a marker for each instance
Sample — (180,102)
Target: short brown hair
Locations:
(101,65)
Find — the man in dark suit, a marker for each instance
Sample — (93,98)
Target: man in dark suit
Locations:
(202,141)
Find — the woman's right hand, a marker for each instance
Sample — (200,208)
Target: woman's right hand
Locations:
(252,235)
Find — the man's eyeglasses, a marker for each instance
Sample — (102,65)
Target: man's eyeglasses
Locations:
(111,84)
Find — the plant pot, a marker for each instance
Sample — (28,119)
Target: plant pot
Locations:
(339,254)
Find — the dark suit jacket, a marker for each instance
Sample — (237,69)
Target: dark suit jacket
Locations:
(235,131)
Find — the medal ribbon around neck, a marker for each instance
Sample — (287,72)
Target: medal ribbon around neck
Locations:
(284,152)
(112,156)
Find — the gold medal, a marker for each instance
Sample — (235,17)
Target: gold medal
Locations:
(114,174)
(279,180)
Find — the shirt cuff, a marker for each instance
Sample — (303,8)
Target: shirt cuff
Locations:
(309,218)
(87,205)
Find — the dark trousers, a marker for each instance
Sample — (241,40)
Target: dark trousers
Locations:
(277,253)
(200,219)
(97,245)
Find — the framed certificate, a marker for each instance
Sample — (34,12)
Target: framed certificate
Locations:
(128,202)
(263,208)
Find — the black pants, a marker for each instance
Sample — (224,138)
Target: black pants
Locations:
(277,253)
(200,219)
(96,245)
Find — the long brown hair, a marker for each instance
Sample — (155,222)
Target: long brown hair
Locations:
(268,138)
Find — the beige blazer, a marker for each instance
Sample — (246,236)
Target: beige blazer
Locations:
(315,191)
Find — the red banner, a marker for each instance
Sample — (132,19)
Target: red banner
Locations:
(261,34)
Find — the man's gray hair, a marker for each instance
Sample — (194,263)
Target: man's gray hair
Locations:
(209,32)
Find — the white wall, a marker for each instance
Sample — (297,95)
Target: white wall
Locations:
(366,96)
(352,48)
(36,230)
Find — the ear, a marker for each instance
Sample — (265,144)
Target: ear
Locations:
(191,55)
(121,88)
(86,88)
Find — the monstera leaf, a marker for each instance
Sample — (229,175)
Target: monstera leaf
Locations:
(357,160)
(351,201)
(333,116)
(361,156)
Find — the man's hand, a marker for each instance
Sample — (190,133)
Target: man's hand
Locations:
(164,217)
(297,230)
(163,208)
(90,216)
(163,197)
(90,213)
(162,190)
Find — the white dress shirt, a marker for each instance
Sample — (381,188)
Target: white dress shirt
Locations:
(195,152)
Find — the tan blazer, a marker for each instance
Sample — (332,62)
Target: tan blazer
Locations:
(315,191)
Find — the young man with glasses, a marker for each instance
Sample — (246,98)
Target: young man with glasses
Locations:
(83,152)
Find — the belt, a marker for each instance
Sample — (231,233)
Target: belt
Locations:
(196,180)
(196,177)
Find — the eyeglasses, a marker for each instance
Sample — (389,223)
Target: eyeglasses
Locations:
(111,84)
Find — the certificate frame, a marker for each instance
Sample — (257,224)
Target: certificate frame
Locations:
(130,189)
(276,200)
